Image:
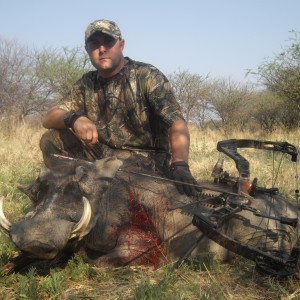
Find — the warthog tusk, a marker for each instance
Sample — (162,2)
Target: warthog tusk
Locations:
(80,229)
(4,223)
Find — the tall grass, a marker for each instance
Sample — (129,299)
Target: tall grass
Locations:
(21,161)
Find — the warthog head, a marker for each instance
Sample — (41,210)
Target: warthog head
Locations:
(63,199)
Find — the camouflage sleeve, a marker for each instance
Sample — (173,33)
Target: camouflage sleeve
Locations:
(74,100)
(161,97)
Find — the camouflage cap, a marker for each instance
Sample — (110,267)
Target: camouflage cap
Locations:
(105,26)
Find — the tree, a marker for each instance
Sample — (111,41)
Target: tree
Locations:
(190,91)
(16,82)
(30,80)
(58,70)
(230,102)
(266,110)
(281,74)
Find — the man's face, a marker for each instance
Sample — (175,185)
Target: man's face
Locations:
(105,53)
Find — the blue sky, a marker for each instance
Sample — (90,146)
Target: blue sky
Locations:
(222,38)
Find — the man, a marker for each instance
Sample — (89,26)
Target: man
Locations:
(124,105)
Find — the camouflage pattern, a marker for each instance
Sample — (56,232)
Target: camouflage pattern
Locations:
(105,26)
(132,110)
(62,142)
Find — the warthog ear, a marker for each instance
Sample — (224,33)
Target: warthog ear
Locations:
(27,189)
(107,167)
(80,173)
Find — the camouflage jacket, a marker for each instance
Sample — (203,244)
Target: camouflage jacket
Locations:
(132,110)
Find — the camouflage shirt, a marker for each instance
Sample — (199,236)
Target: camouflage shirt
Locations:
(132,110)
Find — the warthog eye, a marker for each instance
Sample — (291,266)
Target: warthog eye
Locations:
(72,188)
(75,217)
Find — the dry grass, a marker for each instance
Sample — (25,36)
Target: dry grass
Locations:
(199,279)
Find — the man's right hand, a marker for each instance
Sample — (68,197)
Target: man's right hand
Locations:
(82,126)
(85,130)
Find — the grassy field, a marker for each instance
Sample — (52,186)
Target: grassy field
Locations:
(203,278)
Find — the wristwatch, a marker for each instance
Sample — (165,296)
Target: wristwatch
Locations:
(67,118)
(71,117)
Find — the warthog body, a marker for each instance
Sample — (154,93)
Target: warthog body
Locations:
(132,221)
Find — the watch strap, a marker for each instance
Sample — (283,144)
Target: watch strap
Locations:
(67,118)
(75,116)
(71,117)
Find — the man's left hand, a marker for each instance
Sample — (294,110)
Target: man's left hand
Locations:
(180,171)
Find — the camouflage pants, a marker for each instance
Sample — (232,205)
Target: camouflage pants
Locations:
(64,142)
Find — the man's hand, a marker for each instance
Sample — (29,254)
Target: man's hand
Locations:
(180,171)
(85,130)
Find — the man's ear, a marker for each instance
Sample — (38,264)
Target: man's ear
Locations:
(122,44)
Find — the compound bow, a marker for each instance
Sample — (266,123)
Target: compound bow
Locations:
(239,195)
